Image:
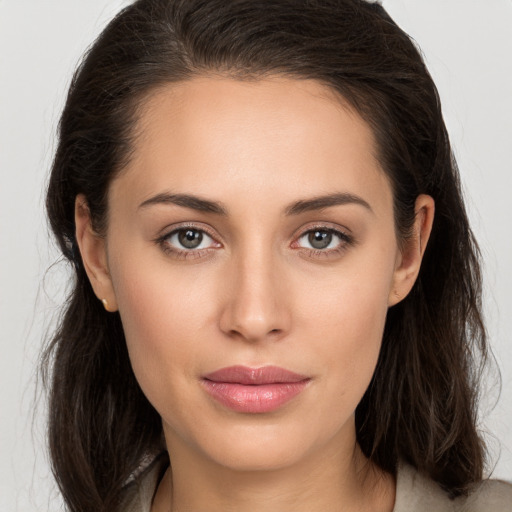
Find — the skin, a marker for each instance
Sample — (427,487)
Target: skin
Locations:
(258,293)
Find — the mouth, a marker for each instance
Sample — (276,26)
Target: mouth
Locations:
(254,390)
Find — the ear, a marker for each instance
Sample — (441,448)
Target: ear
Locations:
(94,254)
(411,254)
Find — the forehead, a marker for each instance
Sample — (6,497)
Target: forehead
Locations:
(277,136)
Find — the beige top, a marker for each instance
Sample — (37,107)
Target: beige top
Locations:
(414,493)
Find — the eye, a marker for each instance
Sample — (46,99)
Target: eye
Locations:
(187,242)
(323,240)
(189,239)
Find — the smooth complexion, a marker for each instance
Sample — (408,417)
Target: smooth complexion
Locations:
(254,227)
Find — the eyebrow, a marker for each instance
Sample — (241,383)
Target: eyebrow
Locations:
(322,202)
(296,208)
(188,201)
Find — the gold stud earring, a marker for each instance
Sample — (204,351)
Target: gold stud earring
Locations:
(105,304)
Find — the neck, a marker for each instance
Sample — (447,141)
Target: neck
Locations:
(328,481)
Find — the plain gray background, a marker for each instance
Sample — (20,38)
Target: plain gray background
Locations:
(468,48)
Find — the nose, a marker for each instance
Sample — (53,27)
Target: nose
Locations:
(257,304)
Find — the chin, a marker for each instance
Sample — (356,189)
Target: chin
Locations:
(264,442)
(264,453)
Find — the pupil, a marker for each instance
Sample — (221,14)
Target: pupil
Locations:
(320,239)
(190,238)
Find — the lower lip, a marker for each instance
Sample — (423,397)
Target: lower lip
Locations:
(254,398)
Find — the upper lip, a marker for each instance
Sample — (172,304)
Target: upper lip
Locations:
(254,376)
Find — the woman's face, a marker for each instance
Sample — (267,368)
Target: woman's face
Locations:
(252,228)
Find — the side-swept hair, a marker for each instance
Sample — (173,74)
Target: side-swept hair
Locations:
(421,404)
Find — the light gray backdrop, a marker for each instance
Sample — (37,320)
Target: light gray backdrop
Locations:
(468,47)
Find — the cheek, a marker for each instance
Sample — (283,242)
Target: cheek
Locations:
(346,315)
(352,300)
(162,315)
(349,345)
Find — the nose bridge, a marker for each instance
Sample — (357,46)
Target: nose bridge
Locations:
(256,306)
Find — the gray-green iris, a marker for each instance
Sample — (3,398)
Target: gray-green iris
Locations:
(190,238)
(320,239)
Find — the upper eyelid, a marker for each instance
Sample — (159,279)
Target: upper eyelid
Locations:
(336,232)
(170,230)
(323,226)
(344,237)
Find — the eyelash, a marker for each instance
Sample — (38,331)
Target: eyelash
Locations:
(345,241)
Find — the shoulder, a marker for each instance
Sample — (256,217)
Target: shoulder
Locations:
(491,495)
(140,491)
(420,494)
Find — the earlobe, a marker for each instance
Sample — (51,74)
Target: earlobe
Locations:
(411,254)
(94,256)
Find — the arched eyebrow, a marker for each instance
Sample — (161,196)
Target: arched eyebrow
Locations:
(322,202)
(187,201)
(296,208)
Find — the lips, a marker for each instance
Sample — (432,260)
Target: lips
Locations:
(254,390)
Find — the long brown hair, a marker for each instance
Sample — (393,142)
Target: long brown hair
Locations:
(421,404)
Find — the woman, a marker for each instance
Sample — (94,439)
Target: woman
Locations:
(277,289)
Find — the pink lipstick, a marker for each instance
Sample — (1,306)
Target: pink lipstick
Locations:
(254,390)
